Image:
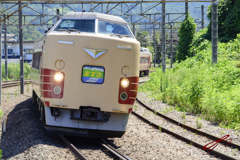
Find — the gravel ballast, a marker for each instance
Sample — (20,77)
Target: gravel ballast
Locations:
(26,138)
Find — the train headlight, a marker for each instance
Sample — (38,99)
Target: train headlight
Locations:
(57,90)
(123,96)
(124,82)
(58,77)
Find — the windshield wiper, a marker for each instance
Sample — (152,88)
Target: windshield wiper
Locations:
(119,35)
(64,30)
(74,30)
(115,35)
(124,35)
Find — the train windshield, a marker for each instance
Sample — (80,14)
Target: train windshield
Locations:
(113,29)
(76,25)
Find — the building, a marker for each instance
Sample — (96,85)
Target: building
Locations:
(13,48)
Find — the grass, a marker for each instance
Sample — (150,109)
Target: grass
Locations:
(14,71)
(183,115)
(27,87)
(155,112)
(135,107)
(198,87)
(198,123)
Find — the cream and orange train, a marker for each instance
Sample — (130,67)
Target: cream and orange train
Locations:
(85,75)
(145,61)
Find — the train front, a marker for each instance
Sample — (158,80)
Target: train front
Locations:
(89,75)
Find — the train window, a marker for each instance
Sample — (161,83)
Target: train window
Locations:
(76,25)
(36,60)
(144,59)
(113,28)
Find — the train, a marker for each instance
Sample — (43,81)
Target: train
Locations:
(145,61)
(85,74)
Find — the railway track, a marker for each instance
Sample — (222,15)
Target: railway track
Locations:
(101,142)
(189,128)
(13,83)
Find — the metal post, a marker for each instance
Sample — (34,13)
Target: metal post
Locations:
(121,8)
(214,31)
(154,40)
(58,16)
(202,16)
(42,14)
(0,56)
(5,48)
(134,29)
(163,38)
(171,44)
(154,44)
(186,9)
(21,46)
(131,22)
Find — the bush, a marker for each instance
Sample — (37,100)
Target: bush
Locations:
(186,33)
(196,86)
(228,20)
(14,71)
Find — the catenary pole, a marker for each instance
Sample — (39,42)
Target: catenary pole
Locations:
(186,9)
(21,46)
(163,38)
(214,31)
(5,48)
(0,56)
(58,14)
(171,44)
(202,16)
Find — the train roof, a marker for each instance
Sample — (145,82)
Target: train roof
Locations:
(94,15)
(145,53)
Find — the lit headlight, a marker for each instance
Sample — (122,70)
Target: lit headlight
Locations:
(124,82)
(58,77)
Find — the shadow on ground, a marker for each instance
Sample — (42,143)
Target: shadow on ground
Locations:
(25,132)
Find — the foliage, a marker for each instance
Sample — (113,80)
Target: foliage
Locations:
(186,33)
(196,86)
(14,71)
(29,33)
(141,37)
(228,20)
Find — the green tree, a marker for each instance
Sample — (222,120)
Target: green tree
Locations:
(228,20)
(185,34)
(142,38)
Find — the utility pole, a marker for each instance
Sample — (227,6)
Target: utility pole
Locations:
(171,44)
(58,15)
(202,16)
(163,38)
(42,22)
(134,29)
(154,41)
(186,9)
(21,46)
(214,31)
(0,56)
(5,48)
